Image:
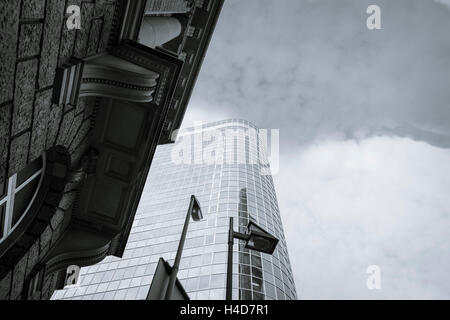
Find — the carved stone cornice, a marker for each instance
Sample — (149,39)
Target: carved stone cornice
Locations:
(107,75)
(85,257)
(129,72)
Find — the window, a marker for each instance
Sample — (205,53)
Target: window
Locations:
(204,282)
(217,281)
(20,191)
(245,282)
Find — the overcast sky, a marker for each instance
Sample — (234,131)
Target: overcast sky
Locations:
(364,117)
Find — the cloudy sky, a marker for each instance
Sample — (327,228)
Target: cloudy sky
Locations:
(364,116)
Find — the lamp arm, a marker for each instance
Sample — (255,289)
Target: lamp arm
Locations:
(240,236)
(176,264)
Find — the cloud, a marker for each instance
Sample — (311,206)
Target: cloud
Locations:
(444,2)
(312,69)
(204,113)
(381,201)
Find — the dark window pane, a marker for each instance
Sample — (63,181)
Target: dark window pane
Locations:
(257,272)
(256,261)
(2,189)
(257,284)
(245,295)
(258,296)
(28,171)
(2,219)
(244,269)
(245,282)
(245,258)
(22,200)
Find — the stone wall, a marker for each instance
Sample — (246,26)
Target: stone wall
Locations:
(34,41)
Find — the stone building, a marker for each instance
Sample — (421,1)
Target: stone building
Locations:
(81,113)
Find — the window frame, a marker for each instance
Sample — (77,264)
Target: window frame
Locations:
(10,195)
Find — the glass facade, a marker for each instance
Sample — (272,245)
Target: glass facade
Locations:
(224,164)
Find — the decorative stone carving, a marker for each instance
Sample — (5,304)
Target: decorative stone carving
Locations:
(109,76)
(104,75)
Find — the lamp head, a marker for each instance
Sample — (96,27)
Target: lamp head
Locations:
(196,211)
(260,240)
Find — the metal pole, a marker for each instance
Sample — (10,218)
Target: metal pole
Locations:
(176,264)
(229,292)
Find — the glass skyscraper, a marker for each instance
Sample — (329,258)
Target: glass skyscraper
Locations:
(224,164)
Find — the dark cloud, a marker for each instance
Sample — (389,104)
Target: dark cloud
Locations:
(313,69)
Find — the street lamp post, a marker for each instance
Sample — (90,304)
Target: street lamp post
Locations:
(196,213)
(256,239)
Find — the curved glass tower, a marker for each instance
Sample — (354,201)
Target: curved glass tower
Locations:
(224,164)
